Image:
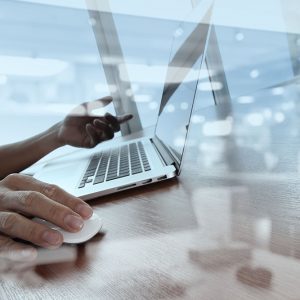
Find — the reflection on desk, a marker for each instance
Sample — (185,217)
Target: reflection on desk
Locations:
(227,228)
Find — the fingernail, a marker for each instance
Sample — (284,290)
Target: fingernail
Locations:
(74,222)
(52,238)
(84,210)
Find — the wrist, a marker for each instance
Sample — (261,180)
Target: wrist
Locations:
(53,137)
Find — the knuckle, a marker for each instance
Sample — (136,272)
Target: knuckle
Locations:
(8,220)
(3,195)
(6,244)
(108,115)
(5,200)
(54,212)
(51,190)
(12,178)
(33,234)
(28,198)
(117,128)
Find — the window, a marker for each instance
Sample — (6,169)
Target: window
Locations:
(49,62)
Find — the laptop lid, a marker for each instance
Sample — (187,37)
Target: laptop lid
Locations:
(187,56)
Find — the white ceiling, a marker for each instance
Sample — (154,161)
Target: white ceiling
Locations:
(273,15)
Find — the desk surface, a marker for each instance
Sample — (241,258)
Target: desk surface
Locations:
(227,228)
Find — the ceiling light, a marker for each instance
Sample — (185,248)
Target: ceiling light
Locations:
(31,67)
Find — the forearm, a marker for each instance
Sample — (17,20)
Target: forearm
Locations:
(17,157)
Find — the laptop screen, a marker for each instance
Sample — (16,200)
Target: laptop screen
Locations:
(180,86)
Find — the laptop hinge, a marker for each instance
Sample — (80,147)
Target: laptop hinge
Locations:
(163,153)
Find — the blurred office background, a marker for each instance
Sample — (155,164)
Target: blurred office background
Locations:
(50,60)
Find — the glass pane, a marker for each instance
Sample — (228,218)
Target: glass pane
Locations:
(147,35)
(146,45)
(254,59)
(49,62)
(258,44)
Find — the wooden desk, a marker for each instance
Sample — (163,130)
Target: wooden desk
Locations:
(234,209)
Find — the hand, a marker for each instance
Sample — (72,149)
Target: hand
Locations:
(81,129)
(23,197)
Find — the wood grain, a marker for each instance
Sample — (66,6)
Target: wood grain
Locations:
(227,228)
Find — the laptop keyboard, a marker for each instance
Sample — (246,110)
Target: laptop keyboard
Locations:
(116,163)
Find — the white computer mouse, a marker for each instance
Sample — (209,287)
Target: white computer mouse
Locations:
(90,228)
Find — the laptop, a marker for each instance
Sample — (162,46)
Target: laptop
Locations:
(109,169)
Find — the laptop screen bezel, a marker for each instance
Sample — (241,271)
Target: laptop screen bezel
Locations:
(158,142)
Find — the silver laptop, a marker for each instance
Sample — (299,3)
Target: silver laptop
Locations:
(142,161)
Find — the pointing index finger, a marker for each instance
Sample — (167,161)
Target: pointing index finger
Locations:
(124,118)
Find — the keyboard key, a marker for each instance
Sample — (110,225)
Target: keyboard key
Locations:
(109,178)
(90,173)
(101,172)
(137,171)
(116,163)
(122,175)
(99,179)
(124,172)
